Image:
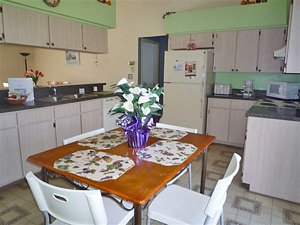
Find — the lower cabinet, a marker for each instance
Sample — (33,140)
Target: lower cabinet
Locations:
(10,158)
(227,121)
(271,158)
(36,134)
(67,121)
(91,115)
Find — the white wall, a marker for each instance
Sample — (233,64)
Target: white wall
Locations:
(135,18)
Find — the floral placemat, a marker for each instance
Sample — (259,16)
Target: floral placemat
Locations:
(105,140)
(167,153)
(95,165)
(167,134)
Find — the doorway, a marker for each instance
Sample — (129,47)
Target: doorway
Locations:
(151,60)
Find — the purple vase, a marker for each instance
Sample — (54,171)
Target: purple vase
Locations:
(137,138)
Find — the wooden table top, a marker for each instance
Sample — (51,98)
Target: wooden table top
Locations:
(137,185)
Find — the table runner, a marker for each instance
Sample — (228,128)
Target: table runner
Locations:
(167,153)
(95,165)
(167,134)
(105,140)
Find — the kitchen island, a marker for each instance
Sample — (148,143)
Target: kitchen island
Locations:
(272,151)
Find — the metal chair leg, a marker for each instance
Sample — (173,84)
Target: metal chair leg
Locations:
(222,218)
(190,176)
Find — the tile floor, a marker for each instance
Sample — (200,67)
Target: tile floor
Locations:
(17,207)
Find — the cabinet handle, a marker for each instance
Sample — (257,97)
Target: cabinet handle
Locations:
(54,125)
(236,70)
(84,48)
(232,69)
(48,43)
(52,44)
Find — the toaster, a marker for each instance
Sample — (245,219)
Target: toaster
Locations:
(222,89)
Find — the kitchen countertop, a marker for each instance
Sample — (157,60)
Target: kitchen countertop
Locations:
(5,107)
(274,113)
(239,96)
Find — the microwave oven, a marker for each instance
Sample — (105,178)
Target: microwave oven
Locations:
(283,90)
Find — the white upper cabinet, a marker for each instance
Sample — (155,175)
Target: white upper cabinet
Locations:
(293,44)
(94,38)
(270,40)
(202,40)
(224,54)
(1,26)
(179,41)
(64,33)
(25,27)
(246,50)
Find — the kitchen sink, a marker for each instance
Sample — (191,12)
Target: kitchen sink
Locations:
(59,98)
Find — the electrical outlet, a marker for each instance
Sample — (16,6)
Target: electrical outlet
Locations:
(81,91)
(130,76)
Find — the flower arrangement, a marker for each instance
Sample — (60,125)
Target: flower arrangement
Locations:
(34,75)
(138,105)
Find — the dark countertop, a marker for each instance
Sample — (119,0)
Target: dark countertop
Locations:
(239,96)
(274,113)
(5,107)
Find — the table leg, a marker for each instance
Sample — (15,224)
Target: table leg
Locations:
(45,175)
(137,214)
(203,171)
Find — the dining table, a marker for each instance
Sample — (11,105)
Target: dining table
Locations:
(144,178)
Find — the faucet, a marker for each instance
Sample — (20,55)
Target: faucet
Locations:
(53,91)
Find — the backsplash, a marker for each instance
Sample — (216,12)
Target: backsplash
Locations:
(261,80)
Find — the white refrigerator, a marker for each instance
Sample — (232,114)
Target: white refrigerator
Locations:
(188,79)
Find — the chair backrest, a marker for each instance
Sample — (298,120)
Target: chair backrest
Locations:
(67,205)
(168,126)
(218,197)
(82,136)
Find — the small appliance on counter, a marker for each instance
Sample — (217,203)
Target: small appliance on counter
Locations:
(248,88)
(283,90)
(222,89)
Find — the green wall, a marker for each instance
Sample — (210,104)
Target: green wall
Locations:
(89,11)
(270,14)
(260,79)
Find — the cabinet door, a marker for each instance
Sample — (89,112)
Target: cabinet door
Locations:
(35,138)
(293,45)
(269,41)
(237,121)
(1,26)
(202,40)
(246,50)
(94,38)
(67,121)
(224,53)
(179,41)
(65,34)
(36,133)
(218,118)
(26,27)
(91,115)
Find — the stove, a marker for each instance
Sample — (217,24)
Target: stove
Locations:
(278,103)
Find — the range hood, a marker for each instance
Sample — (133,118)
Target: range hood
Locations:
(280,53)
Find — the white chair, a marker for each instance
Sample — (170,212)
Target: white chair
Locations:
(179,205)
(189,167)
(82,136)
(76,206)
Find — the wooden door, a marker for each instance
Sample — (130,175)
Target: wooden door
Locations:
(65,34)
(246,50)
(224,53)
(179,41)
(270,40)
(94,38)
(203,39)
(26,27)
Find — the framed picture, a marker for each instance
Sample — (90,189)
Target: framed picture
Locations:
(72,58)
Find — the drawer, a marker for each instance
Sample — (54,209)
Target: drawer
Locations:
(67,110)
(35,115)
(219,103)
(91,105)
(8,120)
(241,104)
